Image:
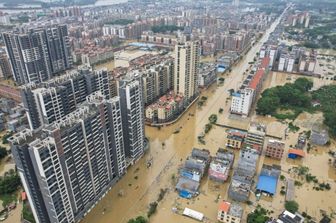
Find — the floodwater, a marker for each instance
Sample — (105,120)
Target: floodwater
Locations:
(108,65)
(131,196)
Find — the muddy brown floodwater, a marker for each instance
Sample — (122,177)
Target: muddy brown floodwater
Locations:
(131,196)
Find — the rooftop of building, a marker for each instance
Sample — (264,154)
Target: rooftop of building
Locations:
(288,217)
(275,143)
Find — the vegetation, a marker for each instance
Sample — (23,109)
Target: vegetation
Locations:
(259,215)
(121,22)
(220,111)
(27,214)
(213,119)
(3,152)
(152,209)
(9,183)
(7,199)
(166,28)
(291,206)
(327,97)
(162,194)
(5,137)
(202,101)
(297,98)
(293,127)
(208,127)
(290,96)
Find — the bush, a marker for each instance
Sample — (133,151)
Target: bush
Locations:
(5,137)
(27,214)
(291,206)
(259,215)
(152,209)
(208,127)
(213,119)
(3,152)
(9,183)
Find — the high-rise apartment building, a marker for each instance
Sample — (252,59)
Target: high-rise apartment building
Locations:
(38,54)
(157,81)
(51,100)
(66,167)
(132,107)
(186,69)
(5,68)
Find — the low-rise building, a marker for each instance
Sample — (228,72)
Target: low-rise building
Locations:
(221,165)
(242,179)
(255,137)
(319,136)
(288,217)
(229,213)
(207,75)
(274,149)
(235,139)
(165,109)
(191,173)
(268,179)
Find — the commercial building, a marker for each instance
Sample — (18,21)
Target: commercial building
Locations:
(132,107)
(68,166)
(229,212)
(186,69)
(39,53)
(274,149)
(52,100)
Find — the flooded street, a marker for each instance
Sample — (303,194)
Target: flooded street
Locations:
(140,185)
(131,196)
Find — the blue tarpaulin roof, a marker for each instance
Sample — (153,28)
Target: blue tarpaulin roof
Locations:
(185,194)
(267,184)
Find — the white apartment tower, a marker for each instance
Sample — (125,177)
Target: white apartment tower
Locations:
(186,69)
(242,101)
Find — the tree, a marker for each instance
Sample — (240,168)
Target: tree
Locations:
(3,152)
(292,206)
(139,219)
(9,183)
(267,105)
(303,84)
(259,215)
